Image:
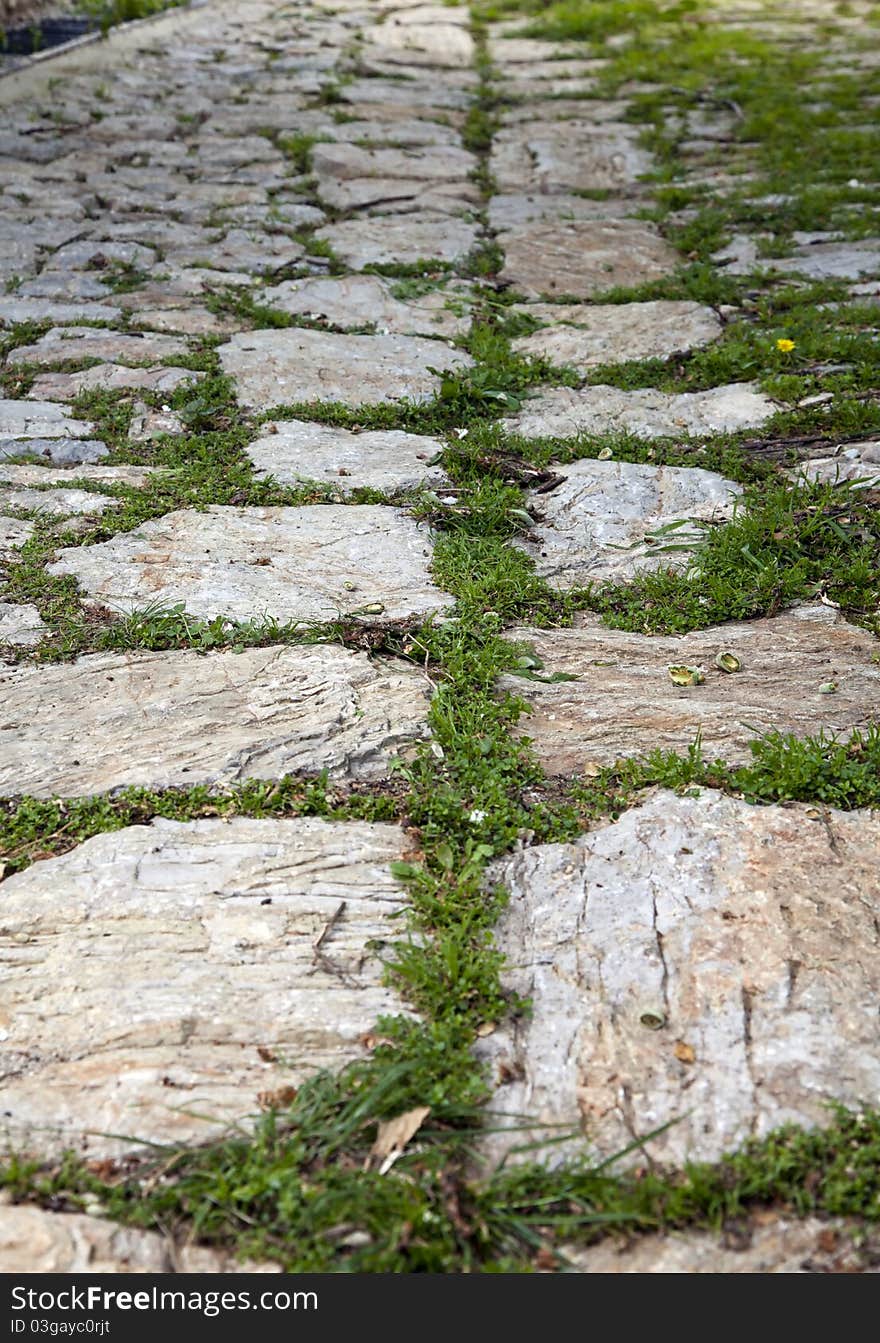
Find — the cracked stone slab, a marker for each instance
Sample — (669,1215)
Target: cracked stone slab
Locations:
(584,257)
(853,461)
(432,35)
(227,998)
(553,156)
(21,625)
(399,240)
(699,962)
(177,719)
(13,534)
(89,342)
(299,450)
(390,196)
(64,502)
(270,368)
(339,161)
(35,1240)
(110,377)
(603,520)
(14,310)
(361,300)
(136,476)
(565,412)
(313,563)
(512,211)
(58,451)
(769,1243)
(623,700)
(585,334)
(44,419)
(240,250)
(831,260)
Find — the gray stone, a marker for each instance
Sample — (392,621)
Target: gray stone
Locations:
(624,702)
(298,450)
(424,35)
(14,310)
(89,342)
(271,368)
(147,424)
(363,300)
(177,719)
(513,211)
(442,163)
(110,377)
(309,564)
(584,258)
(406,132)
(240,250)
(605,520)
(700,963)
(34,1240)
(603,333)
(552,156)
(852,461)
(832,260)
(58,451)
(136,476)
(64,502)
(393,196)
(399,241)
(384,98)
(29,419)
(250,974)
(13,533)
(88,253)
(60,284)
(565,412)
(21,625)
(769,1243)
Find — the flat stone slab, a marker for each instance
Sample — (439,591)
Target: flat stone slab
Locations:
(13,310)
(58,451)
(90,342)
(13,533)
(624,703)
(604,521)
(509,212)
(423,35)
(136,476)
(832,260)
(43,419)
(769,1243)
(565,412)
(21,626)
(34,1240)
(63,502)
(553,156)
(379,459)
(110,377)
(367,300)
(314,563)
(701,963)
(854,461)
(270,368)
(396,240)
(392,195)
(584,335)
(239,250)
(584,257)
(251,973)
(432,163)
(177,719)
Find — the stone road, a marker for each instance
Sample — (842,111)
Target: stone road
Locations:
(697,960)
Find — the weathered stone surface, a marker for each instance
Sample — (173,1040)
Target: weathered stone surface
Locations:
(602,522)
(424,35)
(854,461)
(34,1240)
(311,563)
(27,419)
(364,300)
(382,459)
(769,1243)
(552,156)
(89,342)
(511,212)
(272,367)
(64,502)
(58,451)
(583,258)
(13,533)
(393,196)
(588,334)
(832,260)
(623,701)
(399,241)
(20,625)
(136,476)
(432,163)
(202,951)
(700,961)
(14,310)
(565,412)
(110,377)
(162,720)
(261,253)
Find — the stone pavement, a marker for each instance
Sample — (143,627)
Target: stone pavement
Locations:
(699,959)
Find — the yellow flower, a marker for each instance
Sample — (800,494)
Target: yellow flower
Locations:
(786,346)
